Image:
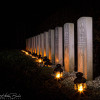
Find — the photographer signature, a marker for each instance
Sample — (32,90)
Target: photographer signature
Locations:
(10,96)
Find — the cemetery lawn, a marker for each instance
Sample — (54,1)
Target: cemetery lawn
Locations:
(20,74)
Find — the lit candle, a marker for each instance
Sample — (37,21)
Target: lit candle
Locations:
(58,75)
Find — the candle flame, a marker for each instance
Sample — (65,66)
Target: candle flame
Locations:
(80,88)
(39,60)
(58,75)
(26,53)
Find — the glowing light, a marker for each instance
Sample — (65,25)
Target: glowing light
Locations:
(26,53)
(75,87)
(39,60)
(57,60)
(80,88)
(22,50)
(33,57)
(58,75)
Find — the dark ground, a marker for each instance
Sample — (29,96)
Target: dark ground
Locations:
(20,74)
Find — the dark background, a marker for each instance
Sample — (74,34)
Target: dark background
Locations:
(21,20)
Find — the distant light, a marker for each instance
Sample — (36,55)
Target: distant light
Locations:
(40,60)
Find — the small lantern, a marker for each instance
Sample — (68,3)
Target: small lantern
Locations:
(47,63)
(40,60)
(22,50)
(33,55)
(26,53)
(29,52)
(45,59)
(39,56)
(80,83)
(58,72)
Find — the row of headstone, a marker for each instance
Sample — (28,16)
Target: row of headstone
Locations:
(51,44)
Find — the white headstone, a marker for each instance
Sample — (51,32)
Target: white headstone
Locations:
(85,49)
(58,45)
(42,45)
(69,47)
(51,45)
(26,44)
(29,44)
(38,44)
(46,50)
(35,44)
(32,44)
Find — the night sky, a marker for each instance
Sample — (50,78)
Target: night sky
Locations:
(21,20)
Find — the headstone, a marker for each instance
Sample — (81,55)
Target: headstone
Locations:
(26,44)
(38,44)
(46,50)
(69,47)
(29,43)
(32,45)
(85,49)
(42,45)
(35,44)
(58,35)
(51,45)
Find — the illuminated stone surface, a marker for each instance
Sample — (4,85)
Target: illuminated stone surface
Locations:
(38,44)
(34,44)
(31,44)
(58,35)
(51,45)
(46,50)
(42,45)
(26,44)
(69,47)
(85,49)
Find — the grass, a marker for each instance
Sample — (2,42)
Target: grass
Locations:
(21,74)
